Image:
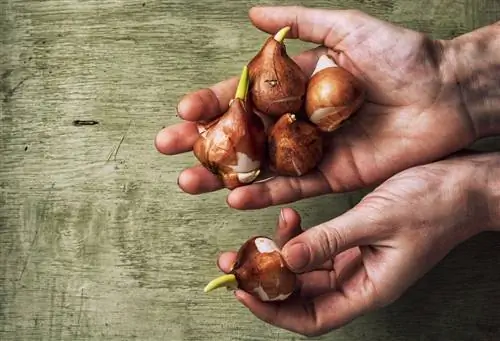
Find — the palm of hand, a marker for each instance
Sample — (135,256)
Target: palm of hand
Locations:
(411,116)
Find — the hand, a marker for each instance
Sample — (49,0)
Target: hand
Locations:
(411,116)
(367,257)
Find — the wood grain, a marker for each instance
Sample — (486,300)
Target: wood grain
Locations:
(96,240)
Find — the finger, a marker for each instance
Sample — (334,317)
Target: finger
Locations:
(278,191)
(288,315)
(359,226)
(197,180)
(320,26)
(288,226)
(208,103)
(176,139)
(316,283)
(226,261)
(308,317)
(319,282)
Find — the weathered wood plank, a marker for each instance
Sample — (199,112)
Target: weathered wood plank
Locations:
(96,240)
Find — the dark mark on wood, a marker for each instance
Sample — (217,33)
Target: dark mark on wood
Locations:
(114,151)
(11,92)
(85,122)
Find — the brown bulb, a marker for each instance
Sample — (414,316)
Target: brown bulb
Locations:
(260,270)
(233,145)
(277,83)
(295,146)
(333,95)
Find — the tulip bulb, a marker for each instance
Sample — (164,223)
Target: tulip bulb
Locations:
(295,146)
(260,270)
(233,145)
(333,95)
(277,83)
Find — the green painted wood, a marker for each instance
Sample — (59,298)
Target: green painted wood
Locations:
(96,240)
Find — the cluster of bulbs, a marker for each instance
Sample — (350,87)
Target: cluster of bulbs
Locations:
(265,127)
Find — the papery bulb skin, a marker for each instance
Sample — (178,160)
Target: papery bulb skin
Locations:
(259,270)
(233,146)
(277,84)
(295,146)
(333,95)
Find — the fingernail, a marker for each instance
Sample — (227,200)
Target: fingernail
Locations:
(282,220)
(297,256)
(178,109)
(238,294)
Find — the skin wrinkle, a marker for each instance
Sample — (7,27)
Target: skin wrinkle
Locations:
(337,43)
(463,53)
(365,132)
(329,40)
(209,104)
(297,25)
(329,246)
(459,89)
(344,50)
(375,291)
(493,183)
(269,193)
(407,66)
(430,57)
(388,51)
(310,309)
(296,186)
(337,184)
(379,298)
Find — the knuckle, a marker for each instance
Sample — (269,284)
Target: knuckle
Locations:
(295,186)
(322,239)
(330,240)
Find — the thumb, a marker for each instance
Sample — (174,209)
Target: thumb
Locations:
(319,244)
(320,26)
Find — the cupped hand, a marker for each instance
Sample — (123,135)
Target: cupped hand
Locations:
(368,257)
(413,114)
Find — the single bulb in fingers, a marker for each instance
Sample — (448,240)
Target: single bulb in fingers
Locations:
(233,145)
(277,83)
(259,270)
(333,95)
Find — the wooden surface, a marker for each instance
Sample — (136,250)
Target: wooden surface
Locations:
(96,240)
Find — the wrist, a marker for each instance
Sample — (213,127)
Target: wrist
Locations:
(493,193)
(483,190)
(473,64)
